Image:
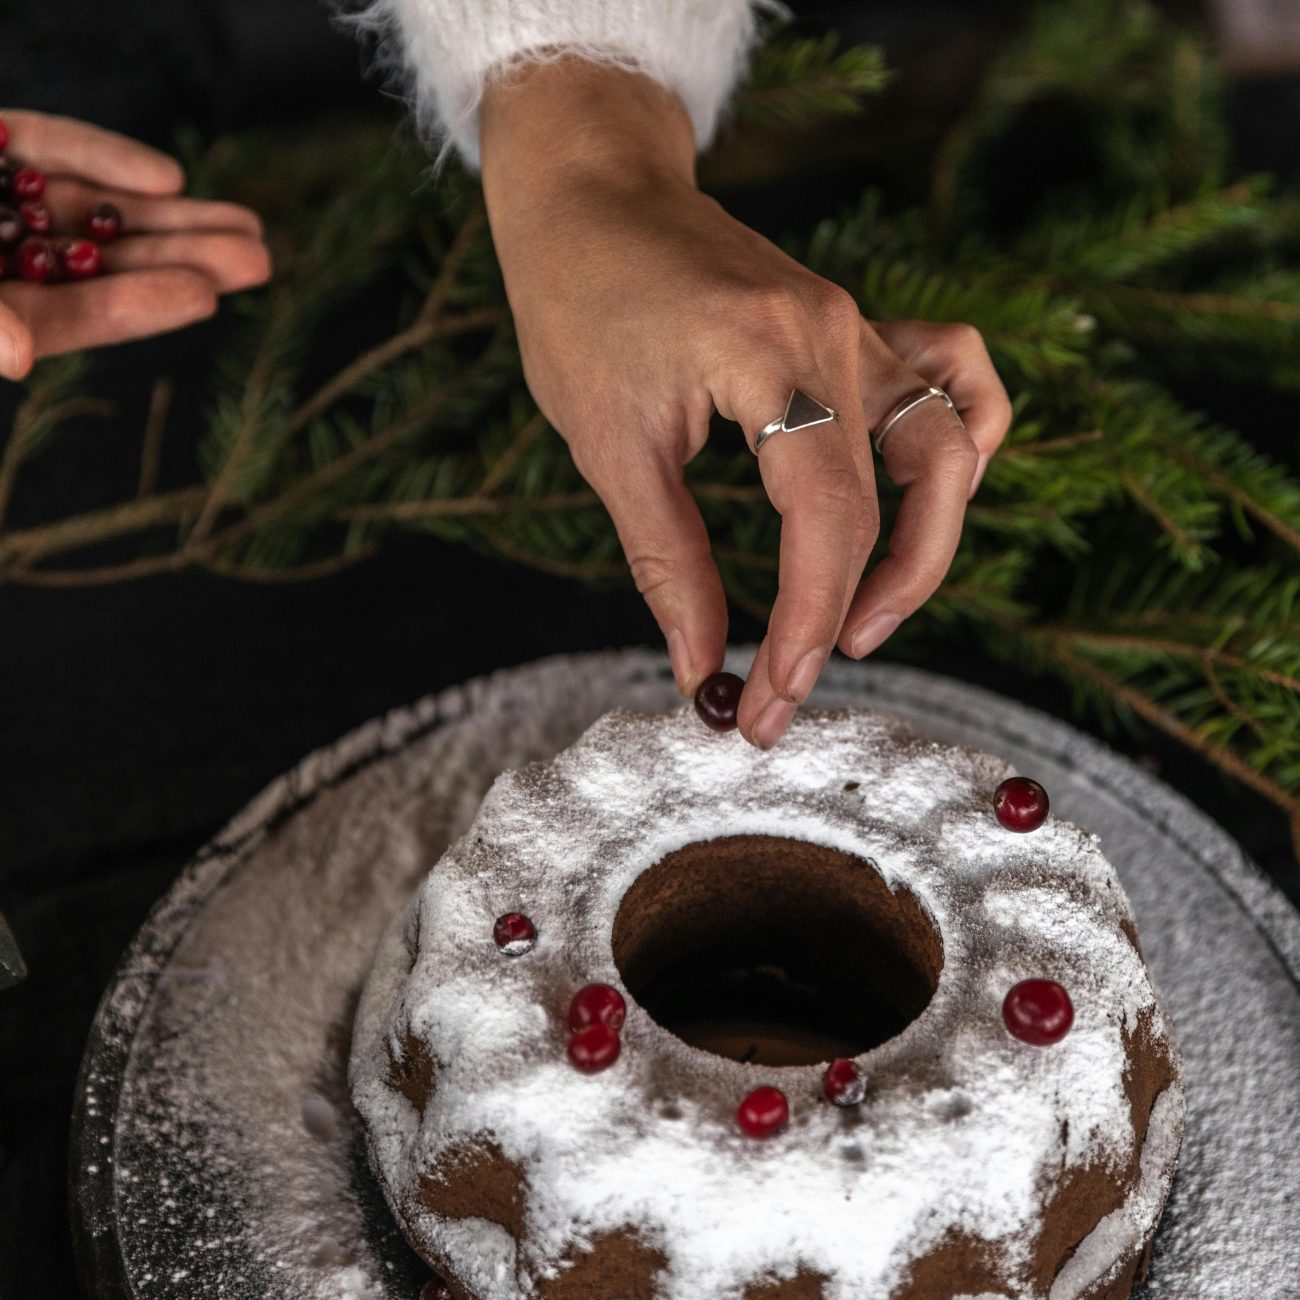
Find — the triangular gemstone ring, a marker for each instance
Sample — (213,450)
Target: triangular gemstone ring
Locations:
(801,412)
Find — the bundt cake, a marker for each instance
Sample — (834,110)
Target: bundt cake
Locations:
(678,1019)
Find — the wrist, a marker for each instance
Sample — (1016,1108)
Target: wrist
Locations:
(556,128)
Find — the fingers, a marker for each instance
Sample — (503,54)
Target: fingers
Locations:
(62,144)
(66,317)
(820,480)
(933,458)
(824,491)
(826,500)
(763,715)
(69,199)
(16,354)
(955,357)
(667,549)
(230,260)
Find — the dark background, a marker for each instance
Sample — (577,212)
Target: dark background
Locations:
(134,720)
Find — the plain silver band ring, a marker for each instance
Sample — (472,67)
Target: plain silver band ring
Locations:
(910,403)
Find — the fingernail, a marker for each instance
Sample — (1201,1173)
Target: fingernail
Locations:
(804,678)
(680,658)
(980,466)
(874,632)
(772,723)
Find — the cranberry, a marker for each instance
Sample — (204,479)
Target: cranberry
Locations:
(515,934)
(36,259)
(764,1112)
(1020,804)
(435,1289)
(29,183)
(11,228)
(1038,1012)
(594,1047)
(843,1083)
(81,259)
(597,1004)
(36,216)
(716,700)
(104,223)
(4,137)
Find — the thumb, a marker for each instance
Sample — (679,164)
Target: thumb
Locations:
(16,348)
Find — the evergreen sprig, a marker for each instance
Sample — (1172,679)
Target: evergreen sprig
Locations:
(1122,542)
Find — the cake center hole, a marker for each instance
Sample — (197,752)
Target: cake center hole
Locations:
(775,951)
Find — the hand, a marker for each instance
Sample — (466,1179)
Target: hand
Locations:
(641,306)
(166,270)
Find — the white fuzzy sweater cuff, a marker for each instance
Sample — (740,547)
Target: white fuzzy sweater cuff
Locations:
(448,49)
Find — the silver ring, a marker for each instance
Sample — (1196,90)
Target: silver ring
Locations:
(801,412)
(910,403)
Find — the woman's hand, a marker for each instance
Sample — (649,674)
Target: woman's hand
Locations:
(175,257)
(641,306)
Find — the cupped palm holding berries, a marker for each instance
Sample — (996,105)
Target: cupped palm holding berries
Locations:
(24,225)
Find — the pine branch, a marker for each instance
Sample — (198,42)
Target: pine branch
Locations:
(800,81)
(1100,549)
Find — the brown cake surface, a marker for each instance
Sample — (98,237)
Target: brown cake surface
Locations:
(847,896)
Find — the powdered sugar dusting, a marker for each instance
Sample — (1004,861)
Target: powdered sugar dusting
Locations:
(564,842)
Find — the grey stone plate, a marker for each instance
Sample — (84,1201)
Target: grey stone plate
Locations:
(215,1156)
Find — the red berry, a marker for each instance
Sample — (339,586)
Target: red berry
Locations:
(11,228)
(597,1004)
(764,1112)
(435,1289)
(594,1047)
(515,934)
(36,259)
(104,223)
(29,183)
(36,216)
(1038,1012)
(4,136)
(81,258)
(716,700)
(7,169)
(843,1083)
(1020,804)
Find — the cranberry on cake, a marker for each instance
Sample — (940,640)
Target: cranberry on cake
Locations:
(678,1019)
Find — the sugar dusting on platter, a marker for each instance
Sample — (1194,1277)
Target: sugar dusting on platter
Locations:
(216,1152)
(604,1154)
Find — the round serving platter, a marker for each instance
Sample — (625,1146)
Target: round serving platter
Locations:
(215,1154)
